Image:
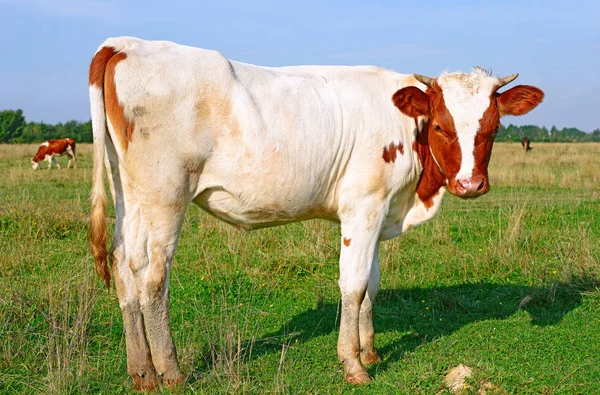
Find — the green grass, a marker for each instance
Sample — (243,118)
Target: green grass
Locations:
(506,284)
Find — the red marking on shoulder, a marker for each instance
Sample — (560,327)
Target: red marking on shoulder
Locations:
(347,242)
(98,65)
(389,152)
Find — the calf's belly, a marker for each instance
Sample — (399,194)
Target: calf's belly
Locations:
(244,214)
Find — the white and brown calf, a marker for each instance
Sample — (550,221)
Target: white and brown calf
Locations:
(52,148)
(260,146)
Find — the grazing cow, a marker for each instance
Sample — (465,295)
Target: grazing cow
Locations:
(525,143)
(50,148)
(262,146)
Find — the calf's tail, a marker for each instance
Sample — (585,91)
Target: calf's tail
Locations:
(97,232)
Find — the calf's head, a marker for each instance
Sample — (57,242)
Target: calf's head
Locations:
(34,164)
(463,113)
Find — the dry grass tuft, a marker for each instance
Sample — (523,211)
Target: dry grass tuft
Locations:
(548,165)
(70,305)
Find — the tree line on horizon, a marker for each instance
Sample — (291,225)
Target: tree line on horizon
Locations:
(14,129)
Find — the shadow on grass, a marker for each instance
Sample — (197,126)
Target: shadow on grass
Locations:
(417,311)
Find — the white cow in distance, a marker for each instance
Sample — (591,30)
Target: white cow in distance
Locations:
(262,146)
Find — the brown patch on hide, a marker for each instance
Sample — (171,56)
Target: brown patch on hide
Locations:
(441,136)
(122,126)
(389,152)
(98,66)
(432,178)
(203,110)
(347,242)
(214,110)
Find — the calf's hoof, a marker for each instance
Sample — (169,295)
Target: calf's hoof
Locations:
(370,358)
(171,379)
(146,382)
(358,378)
(354,371)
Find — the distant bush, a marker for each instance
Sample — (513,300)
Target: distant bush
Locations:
(14,129)
(554,135)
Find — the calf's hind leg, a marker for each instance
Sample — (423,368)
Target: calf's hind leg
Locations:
(161,225)
(139,358)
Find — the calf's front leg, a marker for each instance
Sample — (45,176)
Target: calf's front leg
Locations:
(368,353)
(360,241)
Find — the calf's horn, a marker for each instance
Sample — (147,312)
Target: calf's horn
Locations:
(506,80)
(425,80)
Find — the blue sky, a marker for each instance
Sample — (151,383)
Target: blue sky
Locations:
(554,45)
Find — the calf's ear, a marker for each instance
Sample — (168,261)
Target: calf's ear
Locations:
(412,101)
(519,100)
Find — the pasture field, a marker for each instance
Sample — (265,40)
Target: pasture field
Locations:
(506,284)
